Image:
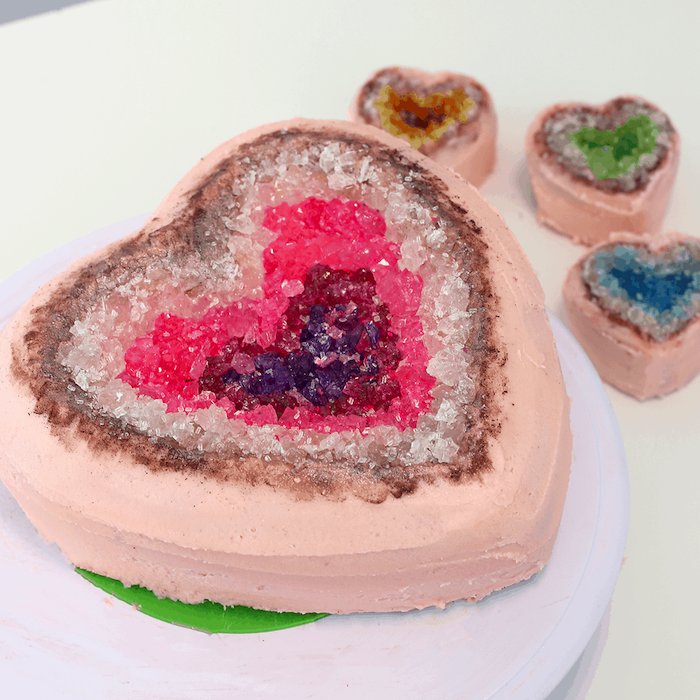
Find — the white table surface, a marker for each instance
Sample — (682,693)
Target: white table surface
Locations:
(107,103)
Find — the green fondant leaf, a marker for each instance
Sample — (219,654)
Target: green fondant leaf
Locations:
(207,616)
(614,152)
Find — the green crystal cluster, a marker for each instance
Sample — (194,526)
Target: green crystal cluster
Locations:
(614,152)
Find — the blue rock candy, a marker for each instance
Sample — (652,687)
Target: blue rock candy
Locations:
(657,293)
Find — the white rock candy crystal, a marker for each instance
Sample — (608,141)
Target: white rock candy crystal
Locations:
(95,353)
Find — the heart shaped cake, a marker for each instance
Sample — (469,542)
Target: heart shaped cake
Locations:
(634,304)
(596,170)
(320,378)
(448,116)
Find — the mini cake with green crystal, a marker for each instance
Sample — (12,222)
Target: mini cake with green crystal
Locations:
(634,305)
(600,169)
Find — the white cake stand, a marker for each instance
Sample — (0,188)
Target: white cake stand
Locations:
(60,637)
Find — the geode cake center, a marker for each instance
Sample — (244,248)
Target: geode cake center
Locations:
(324,310)
(421,118)
(614,148)
(335,336)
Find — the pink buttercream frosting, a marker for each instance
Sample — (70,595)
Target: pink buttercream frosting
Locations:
(279,535)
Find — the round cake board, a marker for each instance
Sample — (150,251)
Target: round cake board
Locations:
(62,637)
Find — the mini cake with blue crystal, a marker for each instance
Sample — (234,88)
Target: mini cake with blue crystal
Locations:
(634,305)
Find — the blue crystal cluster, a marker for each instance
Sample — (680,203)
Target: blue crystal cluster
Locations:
(658,293)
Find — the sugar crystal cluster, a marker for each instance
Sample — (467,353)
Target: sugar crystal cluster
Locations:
(331,322)
(320,347)
(560,135)
(409,104)
(611,153)
(419,119)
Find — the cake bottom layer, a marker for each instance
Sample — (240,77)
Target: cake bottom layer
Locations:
(395,581)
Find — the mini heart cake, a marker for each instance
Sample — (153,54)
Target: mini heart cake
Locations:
(596,170)
(448,116)
(321,378)
(633,304)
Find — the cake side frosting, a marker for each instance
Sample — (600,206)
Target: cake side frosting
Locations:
(499,524)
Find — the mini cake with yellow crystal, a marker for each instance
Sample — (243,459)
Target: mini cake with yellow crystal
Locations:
(447,116)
